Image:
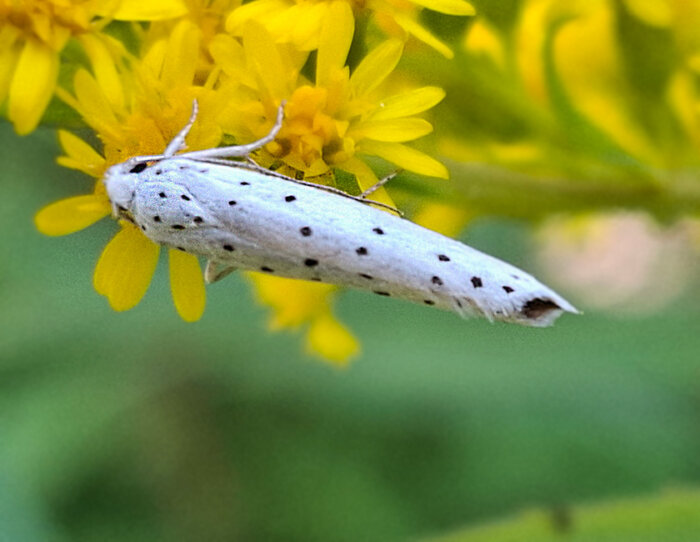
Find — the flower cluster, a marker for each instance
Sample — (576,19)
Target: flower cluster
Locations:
(551,109)
(131,70)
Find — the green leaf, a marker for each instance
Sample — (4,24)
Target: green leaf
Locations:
(671,517)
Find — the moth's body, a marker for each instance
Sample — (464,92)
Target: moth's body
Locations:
(238,216)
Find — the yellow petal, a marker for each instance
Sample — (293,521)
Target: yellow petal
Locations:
(484,39)
(104,68)
(8,59)
(305,33)
(530,38)
(187,285)
(334,42)
(265,59)
(405,157)
(443,218)
(451,7)
(81,156)
(125,268)
(587,57)
(410,103)
(32,86)
(261,10)
(94,105)
(181,60)
(72,214)
(228,53)
(682,99)
(367,179)
(422,34)
(652,12)
(376,66)
(331,340)
(294,302)
(391,130)
(142,10)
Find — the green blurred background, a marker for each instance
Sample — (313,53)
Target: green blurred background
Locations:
(137,426)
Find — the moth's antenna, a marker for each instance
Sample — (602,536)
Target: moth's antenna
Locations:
(239,151)
(380,183)
(178,142)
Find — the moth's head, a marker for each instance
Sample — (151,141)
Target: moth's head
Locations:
(120,183)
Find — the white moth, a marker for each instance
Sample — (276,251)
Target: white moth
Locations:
(239,215)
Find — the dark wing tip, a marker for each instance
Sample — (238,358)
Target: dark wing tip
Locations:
(538,307)
(541,311)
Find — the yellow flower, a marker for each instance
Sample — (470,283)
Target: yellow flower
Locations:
(329,124)
(208,16)
(307,303)
(135,113)
(596,74)
(582,102)
(340,116)
(135,110)
(34,32)
(302,22)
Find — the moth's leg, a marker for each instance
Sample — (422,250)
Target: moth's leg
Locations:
(239,151)
(255,165)
(212,273)
(178,142)
(380,183)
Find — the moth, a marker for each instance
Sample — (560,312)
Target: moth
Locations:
(239,215)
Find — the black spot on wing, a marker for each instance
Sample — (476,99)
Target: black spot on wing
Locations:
(289,199)
(138,168)
(436,280)
(310,262)
(443,258)
(476,282)
(361,251)
(305,231)
(508,289)
(378,231)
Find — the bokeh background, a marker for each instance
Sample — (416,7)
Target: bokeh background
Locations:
(571,131)
(137,426)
